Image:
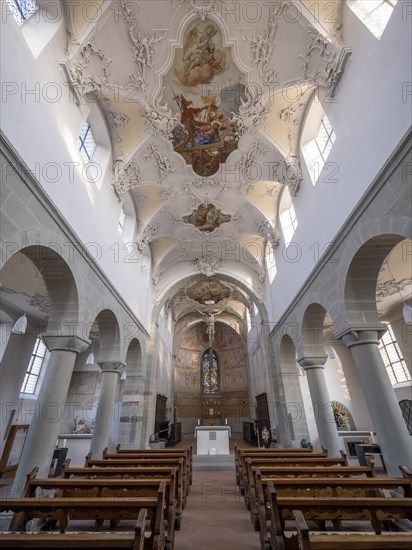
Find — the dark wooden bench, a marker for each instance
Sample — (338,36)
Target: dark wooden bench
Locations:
(301,462)
(149,454)
(144,473)
(241,453)
(352,541)
(64,510)
(323,487)
(186,452)
(88,488)
(240,465)
(174,462)
(39,540)
(277,509)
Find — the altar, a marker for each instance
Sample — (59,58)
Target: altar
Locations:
(212,440)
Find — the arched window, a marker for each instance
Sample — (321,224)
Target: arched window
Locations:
(393,358)
(287,216)
(22,9)
(318,138)
(270,262)
(210,372)
(374,14)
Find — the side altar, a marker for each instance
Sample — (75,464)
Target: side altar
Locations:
(212,440)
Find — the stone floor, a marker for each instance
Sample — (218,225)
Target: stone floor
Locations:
(215,517)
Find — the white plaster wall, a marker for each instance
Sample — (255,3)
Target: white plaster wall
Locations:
(53,127)
(370,115)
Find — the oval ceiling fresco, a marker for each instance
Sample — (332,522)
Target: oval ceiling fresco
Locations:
(204,88)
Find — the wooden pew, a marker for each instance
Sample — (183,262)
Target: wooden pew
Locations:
(353,541)
(113,509)
(176,462)
(243,452)
(144,472)
(268,454)
(318,487)
(250,463)
(106,487)
(154,454)
(277,509)
(187,452)
(39,540)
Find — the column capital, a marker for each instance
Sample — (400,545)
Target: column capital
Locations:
(112,366)
(55,342)
(360,336)
(317,362)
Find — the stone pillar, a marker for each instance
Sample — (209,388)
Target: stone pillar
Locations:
(325,419)
(45,425)
(13,368)
(393,436)
(105,406)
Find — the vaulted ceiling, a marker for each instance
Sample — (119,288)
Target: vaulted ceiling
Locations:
(204,101)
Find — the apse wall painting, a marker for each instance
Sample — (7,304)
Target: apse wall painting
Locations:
(204,87)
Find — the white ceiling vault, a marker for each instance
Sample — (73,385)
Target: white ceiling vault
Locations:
(205,171)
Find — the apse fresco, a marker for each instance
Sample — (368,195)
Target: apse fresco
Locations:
(204,87)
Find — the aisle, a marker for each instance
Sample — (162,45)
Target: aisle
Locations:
(216,517)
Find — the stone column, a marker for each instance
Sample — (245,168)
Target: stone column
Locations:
(13,368)
(105,406)
(393,436)
(45,425)
(325,419)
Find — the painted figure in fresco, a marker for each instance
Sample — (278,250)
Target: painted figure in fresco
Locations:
(199,49)
(207,217)
(187,118)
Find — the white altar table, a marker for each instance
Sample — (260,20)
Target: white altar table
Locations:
(212,440)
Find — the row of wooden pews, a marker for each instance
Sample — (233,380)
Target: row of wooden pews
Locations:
(284,489)
(150,487)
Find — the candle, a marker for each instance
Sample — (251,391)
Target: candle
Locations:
(198,421)
(225,421)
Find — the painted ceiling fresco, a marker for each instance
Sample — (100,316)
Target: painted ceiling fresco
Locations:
(204,88)
(208,292)
(207,217)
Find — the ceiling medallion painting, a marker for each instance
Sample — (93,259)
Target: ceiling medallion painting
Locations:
(208,292)
(204,88)
(207,217)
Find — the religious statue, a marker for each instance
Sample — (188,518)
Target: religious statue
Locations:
(80,426)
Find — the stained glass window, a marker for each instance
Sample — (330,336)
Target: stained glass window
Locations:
(210,372)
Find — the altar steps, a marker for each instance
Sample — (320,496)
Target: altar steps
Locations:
(214,462)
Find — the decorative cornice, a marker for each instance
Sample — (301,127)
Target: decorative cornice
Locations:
(142,49)
(262,45)
(334,62)
(81,83)
(267,231)
(288,172)
(148,235)
(248,160)
(159,118)
(126,176)
(203,10)
(252,113)
(163,164)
